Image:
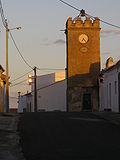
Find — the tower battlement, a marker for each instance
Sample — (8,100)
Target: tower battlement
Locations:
(79,23)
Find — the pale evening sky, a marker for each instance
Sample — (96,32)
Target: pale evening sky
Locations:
(40,40)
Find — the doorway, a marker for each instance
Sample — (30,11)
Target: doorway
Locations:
(87,102)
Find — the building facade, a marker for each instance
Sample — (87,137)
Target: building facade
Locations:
(2,89)
(51,94)
(110,88)
(83,64)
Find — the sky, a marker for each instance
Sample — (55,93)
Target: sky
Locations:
(40,40)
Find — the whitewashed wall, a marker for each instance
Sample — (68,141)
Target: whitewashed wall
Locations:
(51,93)
(53,97)
(21,104)
(111,95)
(101,97)
(25,103)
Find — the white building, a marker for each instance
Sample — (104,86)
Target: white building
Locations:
(110,87)
(51,94)
(101,93)
(25,103)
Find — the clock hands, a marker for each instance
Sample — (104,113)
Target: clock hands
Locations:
(84,40)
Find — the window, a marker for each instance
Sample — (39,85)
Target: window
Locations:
(30,106)
(27,107)
(115,87)
(110,94)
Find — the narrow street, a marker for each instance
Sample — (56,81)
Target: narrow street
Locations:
(68,136)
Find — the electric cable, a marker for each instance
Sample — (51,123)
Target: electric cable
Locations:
(51,69)
(70,5)
(18,83)
(21,76)
(110,24)
(20,52)
(48,85)
(2,14)
(107,23)
(4,24)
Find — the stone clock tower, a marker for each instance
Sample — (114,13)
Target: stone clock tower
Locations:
(83,64)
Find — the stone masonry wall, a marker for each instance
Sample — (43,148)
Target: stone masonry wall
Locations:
(83,62)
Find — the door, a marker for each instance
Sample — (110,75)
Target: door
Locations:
(87,102)
(119,90)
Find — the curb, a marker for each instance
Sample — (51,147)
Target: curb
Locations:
(107,116)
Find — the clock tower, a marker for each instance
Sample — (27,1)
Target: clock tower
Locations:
(83,63)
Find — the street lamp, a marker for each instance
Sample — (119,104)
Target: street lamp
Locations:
(30,79)
(7,73)
(18,28)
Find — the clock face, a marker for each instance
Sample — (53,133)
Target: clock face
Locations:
(83,38)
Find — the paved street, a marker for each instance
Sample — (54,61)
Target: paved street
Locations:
(68,136)
(9,139)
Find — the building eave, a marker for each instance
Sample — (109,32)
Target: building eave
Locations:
(1,68)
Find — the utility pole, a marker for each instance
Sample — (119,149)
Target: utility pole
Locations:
(7,74)
(35,90)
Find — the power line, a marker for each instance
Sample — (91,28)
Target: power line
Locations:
(26,79)
(2,14)
(51,69)
(20,52)
(4,24)
(18,83)
(49,85)
(110,24)
(70,5)
(21,76)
